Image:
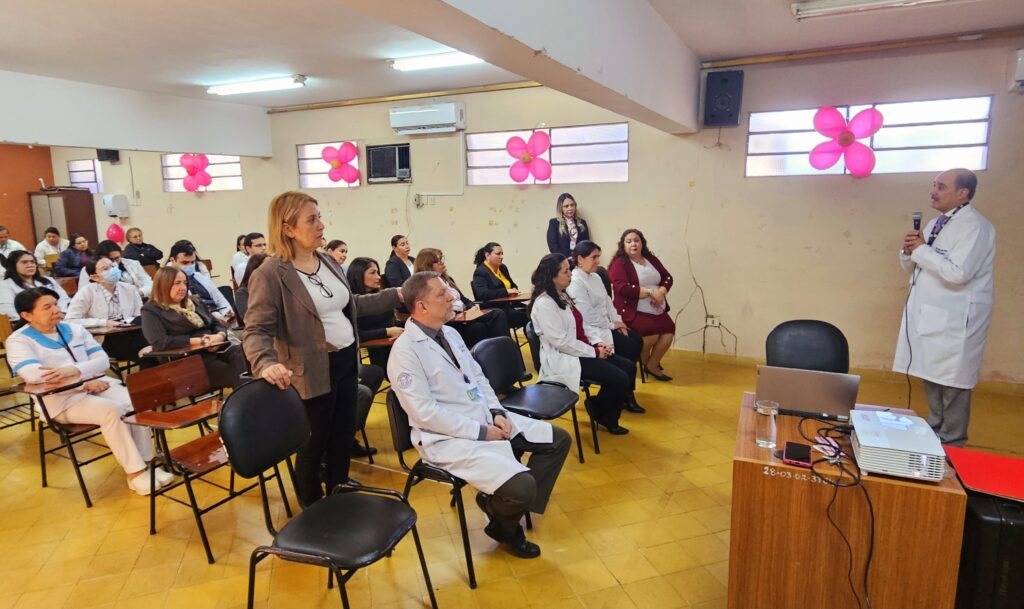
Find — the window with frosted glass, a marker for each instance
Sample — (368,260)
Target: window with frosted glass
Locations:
(225,171)
(584,153)
(313,168)
(916,136)
(86,173)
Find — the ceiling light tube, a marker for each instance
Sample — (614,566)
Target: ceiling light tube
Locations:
(294,81)
(828,8)
(438,60)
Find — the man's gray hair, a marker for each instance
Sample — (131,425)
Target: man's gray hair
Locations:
(416,288)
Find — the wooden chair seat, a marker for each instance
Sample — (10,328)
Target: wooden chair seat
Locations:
(201,455)
(179,418)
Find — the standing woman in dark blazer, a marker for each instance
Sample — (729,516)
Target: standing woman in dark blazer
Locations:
(172,319)
(492,280)
(301,330)
(567,228)
(641,284)
(399,266)
(72,260)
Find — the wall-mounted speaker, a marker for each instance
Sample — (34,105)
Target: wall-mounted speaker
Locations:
(722,96)
(103,154)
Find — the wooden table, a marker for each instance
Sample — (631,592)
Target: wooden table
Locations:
(376,343)
(522,297)
(784,553)
(108,330)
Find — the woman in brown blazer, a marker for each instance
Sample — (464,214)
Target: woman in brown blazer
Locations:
(301,330)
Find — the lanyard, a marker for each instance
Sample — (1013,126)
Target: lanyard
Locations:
(66,346)
(941,225)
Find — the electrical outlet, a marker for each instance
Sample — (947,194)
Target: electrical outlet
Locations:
(712,321)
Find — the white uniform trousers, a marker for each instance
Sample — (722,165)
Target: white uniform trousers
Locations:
(130,444)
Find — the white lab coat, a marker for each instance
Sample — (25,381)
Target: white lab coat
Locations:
(950,303)
(594,304)
(9,289)
(29,351)
(132,273)
(89,306)
(446,422)
(44,249)
(560,350)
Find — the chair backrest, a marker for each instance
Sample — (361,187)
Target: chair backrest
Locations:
(400,439)
(68,284)
(501,362)
(167,383)
(5,328)
(151,269)
(808,344)
(208,263)
(51,259)
(603,274)
(261,426)
(534,341)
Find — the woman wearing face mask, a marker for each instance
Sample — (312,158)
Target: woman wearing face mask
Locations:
(301,330)
(338,250)
(131,271)
(172,319)
(567,355)
(567,228)
(399,266)
(22,273)
(109,302)
(641,284)
(71,260)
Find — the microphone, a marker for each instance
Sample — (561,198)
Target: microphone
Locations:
(917,220)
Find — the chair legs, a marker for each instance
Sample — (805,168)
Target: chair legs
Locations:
(593,421)
(199,518)
(415,478)
(576,430)
(423,565)
(78,469)
(366,443)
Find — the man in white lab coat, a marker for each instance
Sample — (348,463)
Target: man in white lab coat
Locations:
(949,307)
(459,425)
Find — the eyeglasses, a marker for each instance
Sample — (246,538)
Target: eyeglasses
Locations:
(324,290)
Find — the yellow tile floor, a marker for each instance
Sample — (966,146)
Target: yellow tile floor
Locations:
(643,524)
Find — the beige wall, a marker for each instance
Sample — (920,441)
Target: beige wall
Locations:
(764,250)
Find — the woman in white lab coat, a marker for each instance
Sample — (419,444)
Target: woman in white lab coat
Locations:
(566,353)
(48,350)
(22,273)
(108,302)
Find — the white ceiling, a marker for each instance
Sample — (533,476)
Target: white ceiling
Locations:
(723,29)
(180,48)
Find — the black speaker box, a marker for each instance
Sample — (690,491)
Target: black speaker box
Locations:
(992,556)
(723,93)
(103,154)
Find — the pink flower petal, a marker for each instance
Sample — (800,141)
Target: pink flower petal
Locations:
(347,152)
(515,146)
(829,122)
(866,123)
(519,170)
(190,183)
(203,178)
(335,174)
(539,142)
(202,161)
(825,154)
(349,173)
(187,162)
(860,160)
(329,153)
(540,168)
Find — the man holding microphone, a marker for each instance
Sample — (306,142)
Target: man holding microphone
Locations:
(948,310)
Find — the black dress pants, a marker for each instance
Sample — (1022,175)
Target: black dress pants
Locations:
(616,375)
(332,423)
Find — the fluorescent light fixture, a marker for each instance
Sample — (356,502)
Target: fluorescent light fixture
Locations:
(827,8)
(438,60)
(294,81)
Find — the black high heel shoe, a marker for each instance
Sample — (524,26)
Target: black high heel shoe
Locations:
(632,406)
(658,375)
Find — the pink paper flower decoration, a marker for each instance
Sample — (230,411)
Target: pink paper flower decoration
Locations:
(339,159)
(195,166)
(528,155)
(860,159)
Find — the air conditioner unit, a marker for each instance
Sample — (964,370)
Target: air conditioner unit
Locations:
(116,206)
(435,118)
(1015,71)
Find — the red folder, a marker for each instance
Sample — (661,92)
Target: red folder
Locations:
(988,473)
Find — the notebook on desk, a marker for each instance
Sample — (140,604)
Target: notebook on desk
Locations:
(808,393)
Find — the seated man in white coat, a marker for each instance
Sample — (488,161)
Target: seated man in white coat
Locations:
(459,425)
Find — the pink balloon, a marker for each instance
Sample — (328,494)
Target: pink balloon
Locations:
(825,154)
(860,160)
(829,122)
(115,233)
(335,174)
(866,123)
(203,178)
(188,162)
(539,142)
(202,161)
(349,173)
(347,152)
(540,168)
(519,171)
(190,183)
(515,147)
(329,154)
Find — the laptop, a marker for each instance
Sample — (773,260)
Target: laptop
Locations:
(809,393)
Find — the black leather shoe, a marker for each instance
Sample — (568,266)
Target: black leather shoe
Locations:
(358,450)
(632,406)
(658,375)
(481,502)
(521,547)
(615,430)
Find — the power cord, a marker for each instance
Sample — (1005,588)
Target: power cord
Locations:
(906,332)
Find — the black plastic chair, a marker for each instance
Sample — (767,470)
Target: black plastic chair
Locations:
(808,344)
(502,364)
(534,340)
(349,529)
(421,471)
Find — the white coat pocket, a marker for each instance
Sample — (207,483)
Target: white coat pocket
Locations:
(931,320)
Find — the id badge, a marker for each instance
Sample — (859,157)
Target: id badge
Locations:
(473,392)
